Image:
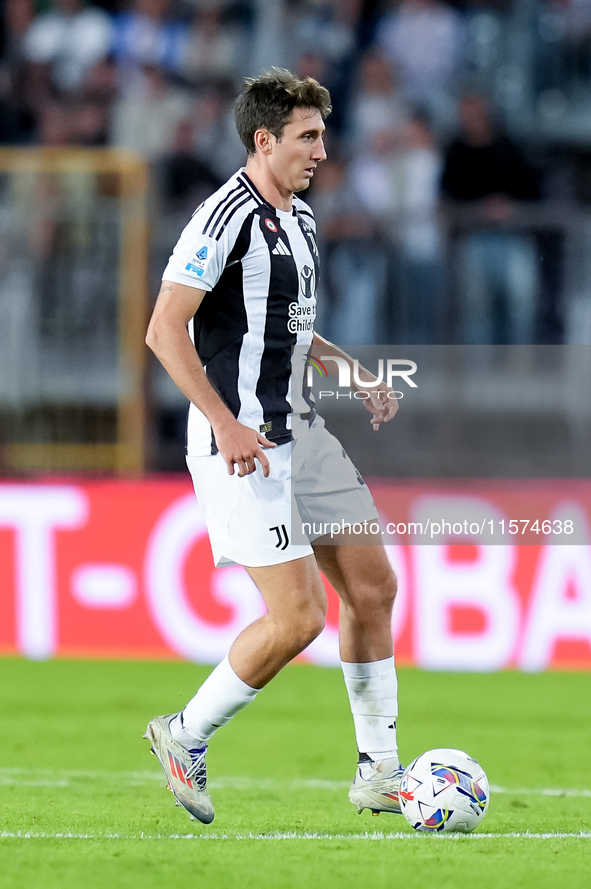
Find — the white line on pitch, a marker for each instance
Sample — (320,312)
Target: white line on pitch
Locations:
(64,777)
(541,791)
(24,777)
(376,835)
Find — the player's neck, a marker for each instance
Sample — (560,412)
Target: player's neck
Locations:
(267,185)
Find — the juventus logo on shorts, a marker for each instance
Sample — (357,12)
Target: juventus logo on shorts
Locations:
(281,534)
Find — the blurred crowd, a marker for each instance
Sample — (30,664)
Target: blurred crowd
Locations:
(412,133)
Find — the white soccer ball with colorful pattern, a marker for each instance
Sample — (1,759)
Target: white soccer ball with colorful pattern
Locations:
(444,790)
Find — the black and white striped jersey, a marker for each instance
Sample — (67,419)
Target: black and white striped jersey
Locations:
(260,268)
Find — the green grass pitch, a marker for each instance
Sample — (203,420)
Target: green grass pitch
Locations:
(84,805)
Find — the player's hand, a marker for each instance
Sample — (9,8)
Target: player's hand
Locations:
(382,404)
(240,445)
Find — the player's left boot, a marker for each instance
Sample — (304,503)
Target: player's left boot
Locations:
(376,786)
(184,769)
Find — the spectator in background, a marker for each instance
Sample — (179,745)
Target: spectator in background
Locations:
(413,181)
(424,40)
(185,179)
(576,21)
(66,42)
(213,48)
(325,29)
(486,172)
(216,142)
(146,121)
(311,64)
(353,274)
(368,178)
(397,180)
(377,104)
(55,125)
(16,119)
(316,63)
(96,99)
(90,124)
(146,37)
(322,26)
(100,82)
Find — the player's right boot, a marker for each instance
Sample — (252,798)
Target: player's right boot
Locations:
(376,786)
(185,769)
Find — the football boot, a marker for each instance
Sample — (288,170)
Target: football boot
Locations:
(184,768)
(376,786)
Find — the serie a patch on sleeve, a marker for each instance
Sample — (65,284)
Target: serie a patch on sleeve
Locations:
(198,262)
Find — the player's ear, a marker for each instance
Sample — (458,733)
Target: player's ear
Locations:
(263,141)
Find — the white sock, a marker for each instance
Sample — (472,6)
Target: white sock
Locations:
(373,695)
(222,695)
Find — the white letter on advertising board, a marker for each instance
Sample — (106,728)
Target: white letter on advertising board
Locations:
(485,585)
(553,613)
(187,633)
(35,512)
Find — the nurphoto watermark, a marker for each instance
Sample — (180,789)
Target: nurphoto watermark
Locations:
(478,445)
(355,381)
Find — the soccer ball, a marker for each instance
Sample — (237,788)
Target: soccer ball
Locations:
(444,790)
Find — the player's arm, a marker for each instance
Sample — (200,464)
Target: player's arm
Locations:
(382,403)
(169,339)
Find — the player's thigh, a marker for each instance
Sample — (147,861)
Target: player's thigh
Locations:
(360,573)
(248,519)
(291,590)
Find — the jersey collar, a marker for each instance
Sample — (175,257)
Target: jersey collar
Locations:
(249,184)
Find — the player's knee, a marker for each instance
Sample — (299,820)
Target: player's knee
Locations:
(310,625)
(385,594)
(312,628)
(392,588)
(385,588)
(378,595)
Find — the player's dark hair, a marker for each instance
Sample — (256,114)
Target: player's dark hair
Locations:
(266,102)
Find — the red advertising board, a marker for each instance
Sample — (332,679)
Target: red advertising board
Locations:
(124,569)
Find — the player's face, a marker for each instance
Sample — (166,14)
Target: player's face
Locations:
(296,155)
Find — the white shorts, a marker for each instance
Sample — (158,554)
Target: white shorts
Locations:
(256,521)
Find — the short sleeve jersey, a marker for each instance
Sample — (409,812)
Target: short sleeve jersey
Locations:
(259,266)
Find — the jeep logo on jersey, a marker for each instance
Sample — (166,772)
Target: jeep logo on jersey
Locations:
(307,282)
